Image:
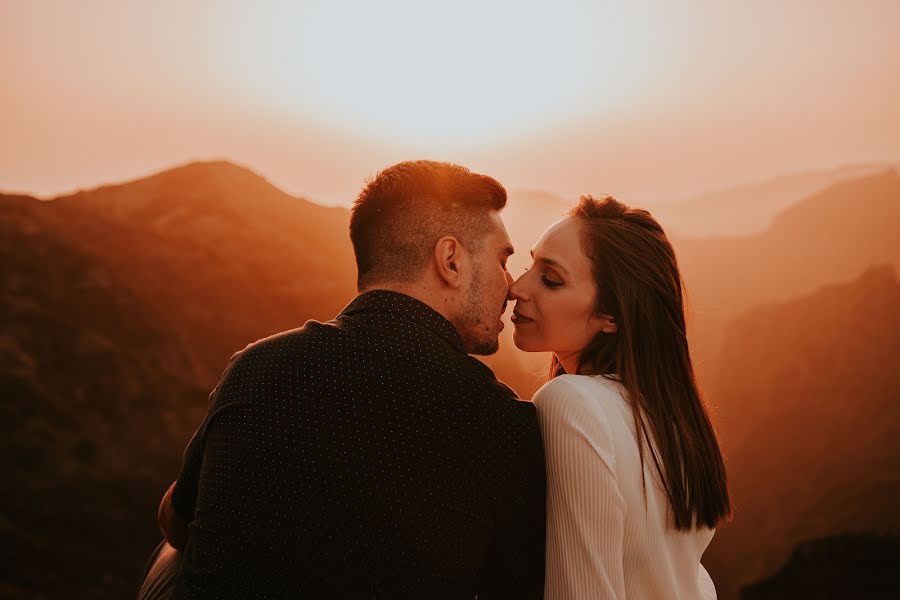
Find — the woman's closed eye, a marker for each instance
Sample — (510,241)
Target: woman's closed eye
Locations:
(547,281)
(550,283)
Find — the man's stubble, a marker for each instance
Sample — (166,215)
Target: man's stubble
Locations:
(476,319)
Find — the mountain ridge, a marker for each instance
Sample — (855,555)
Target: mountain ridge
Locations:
(750,208)
(809,423)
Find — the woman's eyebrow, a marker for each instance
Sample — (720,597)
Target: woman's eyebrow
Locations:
(550,263)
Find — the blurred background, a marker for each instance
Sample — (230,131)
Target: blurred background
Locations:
(174,184)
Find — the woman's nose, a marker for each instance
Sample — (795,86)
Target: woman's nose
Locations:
(517,289)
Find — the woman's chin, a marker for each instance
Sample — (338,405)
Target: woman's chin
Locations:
(525,344)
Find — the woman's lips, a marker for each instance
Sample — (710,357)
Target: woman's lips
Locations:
(518,319)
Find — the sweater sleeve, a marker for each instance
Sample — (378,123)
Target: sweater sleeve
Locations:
(585,509)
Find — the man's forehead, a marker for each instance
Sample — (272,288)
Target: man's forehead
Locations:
(500,235)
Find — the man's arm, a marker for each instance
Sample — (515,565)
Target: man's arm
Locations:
(172,525)
(517,569)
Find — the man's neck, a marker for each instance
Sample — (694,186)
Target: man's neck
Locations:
(418,291)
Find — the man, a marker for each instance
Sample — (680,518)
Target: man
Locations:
(371,456)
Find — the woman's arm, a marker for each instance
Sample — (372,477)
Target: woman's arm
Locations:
(173,527)
(585,510)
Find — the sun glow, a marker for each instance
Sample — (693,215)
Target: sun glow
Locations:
(423,71)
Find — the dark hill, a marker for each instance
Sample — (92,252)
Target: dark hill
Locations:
(120,307)
(829,237)
(810,424)
(835,568)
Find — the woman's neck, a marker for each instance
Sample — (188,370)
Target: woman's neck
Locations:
(569,362)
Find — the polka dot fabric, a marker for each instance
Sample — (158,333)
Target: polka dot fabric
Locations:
(365,457)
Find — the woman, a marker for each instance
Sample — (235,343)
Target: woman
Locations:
(635,478)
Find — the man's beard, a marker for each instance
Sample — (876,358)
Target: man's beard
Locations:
(475,318)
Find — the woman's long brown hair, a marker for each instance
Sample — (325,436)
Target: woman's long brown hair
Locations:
(639,285)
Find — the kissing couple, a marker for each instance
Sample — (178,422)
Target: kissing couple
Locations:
(373,457)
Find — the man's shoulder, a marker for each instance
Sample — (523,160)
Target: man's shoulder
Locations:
(517,407)
(310,331)
(504,401)
(289,345)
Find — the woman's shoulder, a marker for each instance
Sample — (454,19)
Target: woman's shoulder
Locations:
(580,398)
(579,389)
(585,408)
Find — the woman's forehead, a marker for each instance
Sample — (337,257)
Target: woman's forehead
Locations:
(561,242)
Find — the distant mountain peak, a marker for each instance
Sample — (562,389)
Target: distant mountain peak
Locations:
(219,166)
(752,208)
(861,199)
(212,173)
(879,274)
(200,195)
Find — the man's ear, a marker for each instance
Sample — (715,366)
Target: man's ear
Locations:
(448,259)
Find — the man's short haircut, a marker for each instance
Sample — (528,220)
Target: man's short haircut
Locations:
(402,212)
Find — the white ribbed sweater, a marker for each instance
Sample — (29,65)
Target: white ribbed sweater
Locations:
(603,541)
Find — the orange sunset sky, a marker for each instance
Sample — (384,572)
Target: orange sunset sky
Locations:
(650,100)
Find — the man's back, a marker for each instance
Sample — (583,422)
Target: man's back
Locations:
(369,456)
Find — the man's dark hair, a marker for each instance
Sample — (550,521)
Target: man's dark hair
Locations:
(408,207)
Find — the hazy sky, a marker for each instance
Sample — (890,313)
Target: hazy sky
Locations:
(649,100)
